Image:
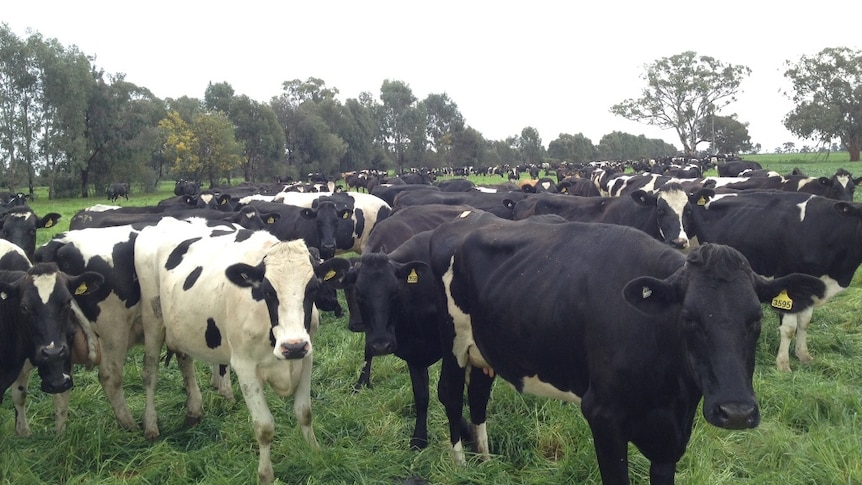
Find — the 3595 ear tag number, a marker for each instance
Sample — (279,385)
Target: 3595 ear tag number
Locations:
(782,301)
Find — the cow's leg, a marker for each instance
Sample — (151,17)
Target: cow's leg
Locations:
(302,402)
(365,373)
(419,380)
(114,344)
(787,329)
(610,445)
(194,401)
(61,409)
(220,380)
(19,399)
(450,392)
(803,319)
(478,394)
(262,421)
(661,473)
(153,343)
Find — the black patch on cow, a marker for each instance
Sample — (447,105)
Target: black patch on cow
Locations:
(221,232)
(265,291)
(192,278)
(176,256)
(14,261)
(212,334)
(242,235)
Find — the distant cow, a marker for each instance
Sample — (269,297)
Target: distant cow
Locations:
(117,190)
(244,299)
(604,315)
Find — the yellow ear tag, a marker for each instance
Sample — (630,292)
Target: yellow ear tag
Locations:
(782,301)
(701,201)
(329,275)
(81,289)
(346,216)
(49,223)
(271,220)
(413,277)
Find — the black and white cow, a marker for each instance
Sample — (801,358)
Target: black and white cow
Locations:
(488,202)
(659,214)
(787,232)
(244,299)
(352,234)
(19,224)
(35,312)
(604,315)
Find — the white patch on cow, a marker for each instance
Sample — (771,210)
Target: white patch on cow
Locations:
(844,180)
(676,201)
(101,208)
(802,208)
(98,242)
(207,198)
(464,214)
(482,447)
(45,284)
(546,185)
(716,198)
(534,385)
(463,347)
(289,270)
(832,288)
(486,190)
(21,215)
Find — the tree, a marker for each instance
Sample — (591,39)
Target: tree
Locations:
(726,134)
(827,91)
(572,148)
(530,146)
(681,91)
(257,129)
(218,150)
(218,97)
(400,122)
(443,122)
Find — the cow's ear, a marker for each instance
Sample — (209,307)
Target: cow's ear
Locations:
(8,290)
(332,271)
(650,295)
(308,213)
(85,283)
(509,204)
(701,196)
(412,272)
(245,275)
(643,197)
(847,209)
(791,293)
(49,220)
(825,181)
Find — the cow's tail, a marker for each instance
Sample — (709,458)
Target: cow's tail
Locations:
(89,333)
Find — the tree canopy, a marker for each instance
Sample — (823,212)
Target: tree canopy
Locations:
(682,91)
(827,91)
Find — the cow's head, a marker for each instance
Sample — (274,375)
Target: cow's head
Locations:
(19,224)
(40,300)
(327,216)
(672,203)
(714,298)
(287,282)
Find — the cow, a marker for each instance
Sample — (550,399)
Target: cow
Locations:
(606,316)
(399,307)
(186,188)
(247,217)
(352,234)
(35,312)
(117,190)
(786,232)
(488,202)
(19,225)
(244,299)
(835,187)
(660,214)
(732,168)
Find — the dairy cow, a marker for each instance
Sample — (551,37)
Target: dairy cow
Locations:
(787,232)
(244,299)
(604,315)
(19,224)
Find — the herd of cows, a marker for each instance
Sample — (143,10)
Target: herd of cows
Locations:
(636,295)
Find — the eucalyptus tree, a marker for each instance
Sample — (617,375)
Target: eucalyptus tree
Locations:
(572,148)
(681,91)
(443,122)
(530,146)
(402,123)
(827,92)
(261,136)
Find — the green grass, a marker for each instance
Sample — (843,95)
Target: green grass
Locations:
(811,432)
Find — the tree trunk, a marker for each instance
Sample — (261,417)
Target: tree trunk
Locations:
(85,182)
(853,149)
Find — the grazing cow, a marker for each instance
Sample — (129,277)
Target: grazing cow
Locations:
(659,214)
(117,190)
(244,299)
(406,222)
(787,232)
(19,224)
(35,312)
(604,315)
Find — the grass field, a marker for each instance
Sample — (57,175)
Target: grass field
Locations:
(811,430)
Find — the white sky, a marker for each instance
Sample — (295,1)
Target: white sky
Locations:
(557,66)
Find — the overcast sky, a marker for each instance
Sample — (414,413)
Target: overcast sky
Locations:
(557,66)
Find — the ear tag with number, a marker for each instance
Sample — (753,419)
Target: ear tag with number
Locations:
(413,277)
(271,220)
(782,301)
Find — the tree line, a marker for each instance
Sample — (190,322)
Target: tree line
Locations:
(69,125)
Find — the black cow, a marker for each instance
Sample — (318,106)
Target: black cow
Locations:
(247,217)
(388,192)
(660,214)
(732,168)
(604,315)
(186,187)
(19,224)
(488,202)
(787,232)
(117,190)
(831,187)
(35,323)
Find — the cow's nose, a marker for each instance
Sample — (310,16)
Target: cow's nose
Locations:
(382,347)
(680,243)
(294,350)
(738,415)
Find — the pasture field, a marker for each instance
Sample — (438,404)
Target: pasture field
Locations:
(811,429)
